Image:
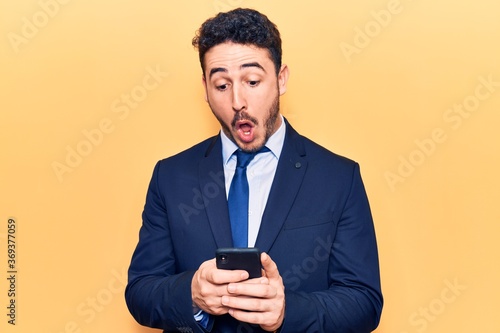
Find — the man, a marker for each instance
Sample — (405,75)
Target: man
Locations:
(308,211)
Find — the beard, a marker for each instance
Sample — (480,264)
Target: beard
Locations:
(269,124)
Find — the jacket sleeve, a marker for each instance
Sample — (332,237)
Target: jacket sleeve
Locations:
(156,295)
(353,301)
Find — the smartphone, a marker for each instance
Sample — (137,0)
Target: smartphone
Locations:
(247,259)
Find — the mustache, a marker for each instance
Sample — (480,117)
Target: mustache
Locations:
(243,115)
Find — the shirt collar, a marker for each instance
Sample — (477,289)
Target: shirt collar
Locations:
(274,143)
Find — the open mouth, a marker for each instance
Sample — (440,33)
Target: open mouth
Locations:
(245,130)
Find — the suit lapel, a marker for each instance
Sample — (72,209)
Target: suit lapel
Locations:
(211,175)
(290,172)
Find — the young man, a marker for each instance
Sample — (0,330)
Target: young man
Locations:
(308,211)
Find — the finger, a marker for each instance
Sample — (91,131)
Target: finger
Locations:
(207,264)
(259,290)
(260,318)
(220,276)
(245,303)
(269,266)
(212,274)
(260,280)
(223,276)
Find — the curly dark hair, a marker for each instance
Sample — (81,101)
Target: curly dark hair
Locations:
(240,26)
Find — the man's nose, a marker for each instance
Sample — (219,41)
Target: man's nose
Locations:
(239,100)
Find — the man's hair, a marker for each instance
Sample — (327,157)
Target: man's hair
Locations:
(239,26)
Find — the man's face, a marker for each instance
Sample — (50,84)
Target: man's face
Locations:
(242,89)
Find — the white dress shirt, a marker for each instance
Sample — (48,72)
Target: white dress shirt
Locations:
(260,175)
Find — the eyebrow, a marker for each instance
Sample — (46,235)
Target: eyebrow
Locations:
(224,70)
(253,64)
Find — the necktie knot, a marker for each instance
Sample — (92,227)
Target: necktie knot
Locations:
(244,158)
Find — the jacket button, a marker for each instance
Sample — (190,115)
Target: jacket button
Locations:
(298,165)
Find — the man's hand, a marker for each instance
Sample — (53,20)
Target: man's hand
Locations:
(258,301)
(209,284)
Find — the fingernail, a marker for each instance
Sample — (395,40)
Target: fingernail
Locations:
(225,300)
(231,288)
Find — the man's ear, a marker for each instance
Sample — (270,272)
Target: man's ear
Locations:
(283,75)
(204,82)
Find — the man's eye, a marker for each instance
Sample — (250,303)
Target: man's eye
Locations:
(253,83)
(222,87)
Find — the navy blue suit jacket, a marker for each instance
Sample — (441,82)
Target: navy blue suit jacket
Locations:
(316,226)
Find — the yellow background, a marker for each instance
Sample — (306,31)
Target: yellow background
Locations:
(378,81)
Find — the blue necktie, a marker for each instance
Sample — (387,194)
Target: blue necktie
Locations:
(238,198)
